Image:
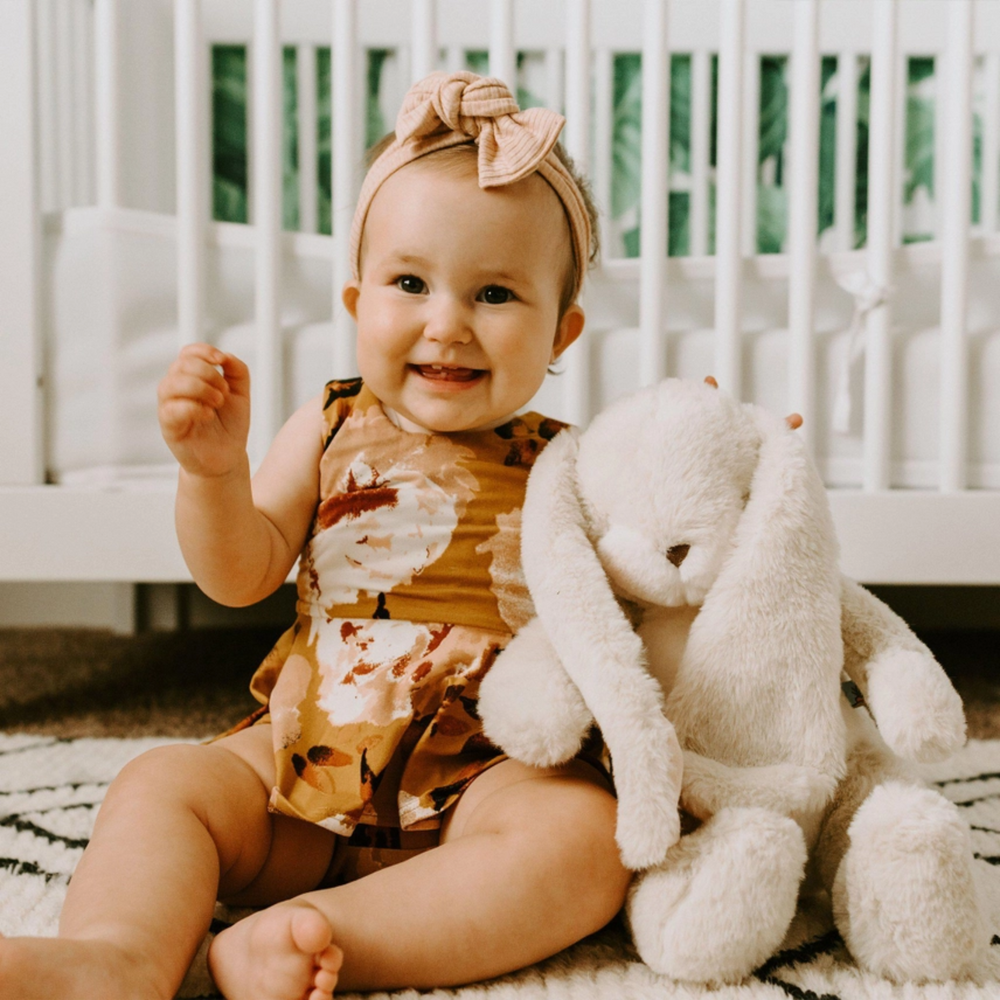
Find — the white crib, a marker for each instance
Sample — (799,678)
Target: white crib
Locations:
(110,262)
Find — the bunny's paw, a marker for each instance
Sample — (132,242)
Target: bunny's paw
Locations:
(918,712)
(530,707)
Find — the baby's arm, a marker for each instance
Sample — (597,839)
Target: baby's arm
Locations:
(239,538)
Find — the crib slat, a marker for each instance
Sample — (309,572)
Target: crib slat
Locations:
(883,208)
(64,103)
(576,135)
(902,83)
(503,57)
(751,148)
(577,375)
(730,215)
(81,103)
(701,121)
(305,73)
(347,145)
(955,207)
(555,79)
(423,35)
(191,158)
(604,76)
(45,81)
(90,85)
(655,181)
(267,82)
(991,145)
(455,58)
(21,443)
(847,149)
(803,214)
(941,111)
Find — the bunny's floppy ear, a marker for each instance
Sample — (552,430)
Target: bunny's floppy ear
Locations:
(766,647)
(602,654)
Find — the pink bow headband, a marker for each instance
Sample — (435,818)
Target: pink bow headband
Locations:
(450,109)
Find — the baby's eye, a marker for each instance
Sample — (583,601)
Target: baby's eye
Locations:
(411,283)
(496,295)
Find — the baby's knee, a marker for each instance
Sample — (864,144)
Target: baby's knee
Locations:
(178,772)
(158,767)
(580,829)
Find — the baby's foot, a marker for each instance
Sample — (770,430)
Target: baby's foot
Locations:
(282,953)
(40,968)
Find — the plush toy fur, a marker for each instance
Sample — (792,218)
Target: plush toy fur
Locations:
(682,560)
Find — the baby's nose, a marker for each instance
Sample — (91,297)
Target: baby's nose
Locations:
(447,322)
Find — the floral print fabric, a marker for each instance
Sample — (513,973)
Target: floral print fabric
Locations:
(409,585)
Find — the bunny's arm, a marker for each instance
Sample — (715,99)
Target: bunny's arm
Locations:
(915,707)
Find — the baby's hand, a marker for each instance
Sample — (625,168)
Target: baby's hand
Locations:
(204,413)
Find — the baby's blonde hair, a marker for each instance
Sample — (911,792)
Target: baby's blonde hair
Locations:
(461,153)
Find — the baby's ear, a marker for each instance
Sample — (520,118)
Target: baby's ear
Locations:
(570,327)
(349,296)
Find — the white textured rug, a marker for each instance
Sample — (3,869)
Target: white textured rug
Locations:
(50,790)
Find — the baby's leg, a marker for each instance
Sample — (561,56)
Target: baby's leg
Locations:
(527,865)
(179,825)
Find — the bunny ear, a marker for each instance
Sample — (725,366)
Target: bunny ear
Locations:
(567,582)
(766,646)
(602,654)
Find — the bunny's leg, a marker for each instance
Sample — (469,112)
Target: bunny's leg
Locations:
(721,902)
(897,858)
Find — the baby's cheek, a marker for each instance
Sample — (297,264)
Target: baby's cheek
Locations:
(371,356)
(528,370)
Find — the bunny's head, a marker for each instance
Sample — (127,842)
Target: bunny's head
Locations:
(663,476)
(679,495)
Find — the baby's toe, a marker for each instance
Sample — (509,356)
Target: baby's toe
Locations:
(311,931)
(330,958)
(324,980)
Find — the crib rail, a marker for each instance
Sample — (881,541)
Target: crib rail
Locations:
(70,129)
(71,533)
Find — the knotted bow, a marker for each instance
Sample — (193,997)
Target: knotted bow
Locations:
(512,143)
(451,109)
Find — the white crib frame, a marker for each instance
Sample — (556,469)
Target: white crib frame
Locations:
(125,532)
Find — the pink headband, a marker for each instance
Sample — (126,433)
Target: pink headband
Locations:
(450,109)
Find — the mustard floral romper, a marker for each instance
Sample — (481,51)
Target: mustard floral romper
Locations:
(408,587)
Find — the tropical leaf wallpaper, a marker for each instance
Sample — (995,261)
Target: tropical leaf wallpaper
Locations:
(622,226)
(229,133)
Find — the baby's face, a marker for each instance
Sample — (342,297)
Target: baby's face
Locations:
(458,302)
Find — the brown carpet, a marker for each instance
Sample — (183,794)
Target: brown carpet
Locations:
(193,683)
(972,660)
(79,682)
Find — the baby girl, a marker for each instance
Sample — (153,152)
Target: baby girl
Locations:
(382,839)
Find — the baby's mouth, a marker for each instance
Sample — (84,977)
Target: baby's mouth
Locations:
(448,373)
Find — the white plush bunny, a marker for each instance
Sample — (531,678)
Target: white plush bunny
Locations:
(681,556)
